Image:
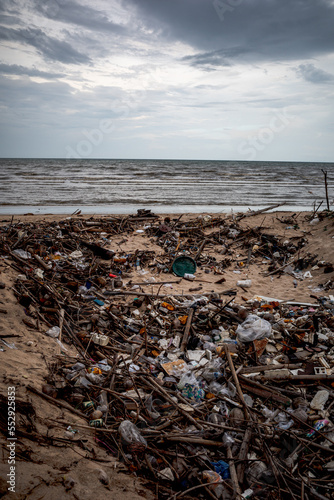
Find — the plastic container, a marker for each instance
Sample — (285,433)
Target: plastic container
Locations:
(184,265)
(100,339)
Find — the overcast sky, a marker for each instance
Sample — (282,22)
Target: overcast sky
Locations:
(197,79)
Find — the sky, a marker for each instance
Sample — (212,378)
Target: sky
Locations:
(245,80)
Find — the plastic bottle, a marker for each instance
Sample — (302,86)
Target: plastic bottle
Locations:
(103,402)
(255,471)
(209,476)
(319,400)
(244,283)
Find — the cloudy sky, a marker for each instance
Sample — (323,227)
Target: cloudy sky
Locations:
(197,79)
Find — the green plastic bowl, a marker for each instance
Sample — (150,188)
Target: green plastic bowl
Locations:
(184,265)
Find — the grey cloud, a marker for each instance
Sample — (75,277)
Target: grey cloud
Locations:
(52,101)
(275,30)
(74,13)
(216,58)
(208,60)
(15,69)
(314,75)
(9,6)
(49,47)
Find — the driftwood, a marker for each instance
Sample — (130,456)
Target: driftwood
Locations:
(187,329)
(56,402)
(257,212)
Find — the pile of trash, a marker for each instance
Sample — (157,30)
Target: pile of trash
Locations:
(203,394)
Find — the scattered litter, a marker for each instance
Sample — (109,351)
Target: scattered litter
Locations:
(209,395)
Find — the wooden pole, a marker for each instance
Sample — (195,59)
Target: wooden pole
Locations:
(326,187)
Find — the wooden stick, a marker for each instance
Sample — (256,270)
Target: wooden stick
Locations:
(142,294)
(145,283)
(236,380)
(257,212)
(155,386)
(42,263)
(285,376)
(187,329)
(56,402)
(200,250)
(263,391)
(234,477)
(61,322)
(255,369)
(243,454)
(192,440)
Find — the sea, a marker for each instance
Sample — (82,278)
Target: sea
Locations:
(95,186)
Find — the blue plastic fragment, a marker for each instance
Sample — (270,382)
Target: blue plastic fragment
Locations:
(222,468)
(99,302)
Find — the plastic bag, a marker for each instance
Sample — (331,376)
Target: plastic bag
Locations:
(53,332)
(22,253)
(254,328)
(130,434)
(187,378)
(283,421)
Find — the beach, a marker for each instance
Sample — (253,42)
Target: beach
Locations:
(167,250)
(42,467)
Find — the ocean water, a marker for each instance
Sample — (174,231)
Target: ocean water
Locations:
(176,186)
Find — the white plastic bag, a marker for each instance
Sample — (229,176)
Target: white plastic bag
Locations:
(130,434)
(254,328)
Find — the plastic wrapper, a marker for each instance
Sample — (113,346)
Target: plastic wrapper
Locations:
(166,474)
(228,439)
(318,425)
(254,328)
(215,418)
(193,392)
